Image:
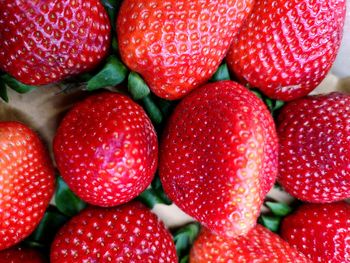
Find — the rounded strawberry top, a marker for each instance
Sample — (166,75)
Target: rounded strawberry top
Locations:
(259,245)
(128,233)
(218,156)
(21,255)
(106,149)
(43,42)
(314,135)
(320,231)
(27,182)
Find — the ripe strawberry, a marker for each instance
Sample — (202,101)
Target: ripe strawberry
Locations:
(21,255)
(106,149)
(177,45)
(26,182)
(129,233)
(320,231)
(314,135)
(43,42)
(218,157)
(259,245)
(287,48)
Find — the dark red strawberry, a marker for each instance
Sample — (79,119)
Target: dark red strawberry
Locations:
(314,134)
(259,245)
(46,41)
(26,182)
(21,255)
(177,45)
(286,48)
(320,231)
(106,149)
(219,157)
(129,233)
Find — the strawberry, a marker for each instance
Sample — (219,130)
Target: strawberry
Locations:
(43,42)
(21,255)
(320,231)
(286,49)
(177,45)
(314,134)
(218,157)
(259,245)
(26,182)
(128,233)
(106,149)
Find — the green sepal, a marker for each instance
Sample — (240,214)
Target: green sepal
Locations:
(137,86)
(152,109)
(185,259)
(222,73)
(271,222)
(3,92)
(111,7)
(149,198)
(158,189)
(184,239)
(15,84)
(279,209)
(113,73)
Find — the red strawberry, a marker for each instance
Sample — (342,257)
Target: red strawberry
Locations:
(177,45)
(106,149)
(259,245)
(286,48)
(219,157)
(320,231)
(46,41)
(21,255)
(26,182)
(314,134)
(129,233)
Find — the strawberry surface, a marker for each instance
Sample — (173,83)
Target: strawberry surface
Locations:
(26,182)
(320,231)
(21,255)
(259,245)
(286,48)
(314,135)
(128,233)
(46,41)
(218,157)
(177,45)
(106,149)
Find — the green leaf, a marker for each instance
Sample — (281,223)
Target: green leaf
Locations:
(221,74)
(3,92)
(149,198)
(45,232)
(153,111)
(16,85)
(158,189)
(113,73)
(137,86)
(271,222)
(279,209)
(185,237)
(66,201)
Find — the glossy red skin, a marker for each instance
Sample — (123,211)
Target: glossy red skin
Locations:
(43,42)
(320,231)
(27,182)
(21,255)
(314,135)
(106,149)
(259,245)
(286,48)
(177,45)
(128,233)
(218,157)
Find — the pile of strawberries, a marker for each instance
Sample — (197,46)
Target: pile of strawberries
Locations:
(217,155)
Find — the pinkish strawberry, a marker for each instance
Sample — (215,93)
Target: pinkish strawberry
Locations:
(128,233)
(286,48)
(218,157)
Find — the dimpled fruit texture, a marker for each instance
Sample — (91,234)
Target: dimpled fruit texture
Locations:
(320,231)
(314,135)
(26,182)
(128,233)
(177,45)
(21,255)
(106,149)
(259,245)
(218,157)
(286,48)
(46,41)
